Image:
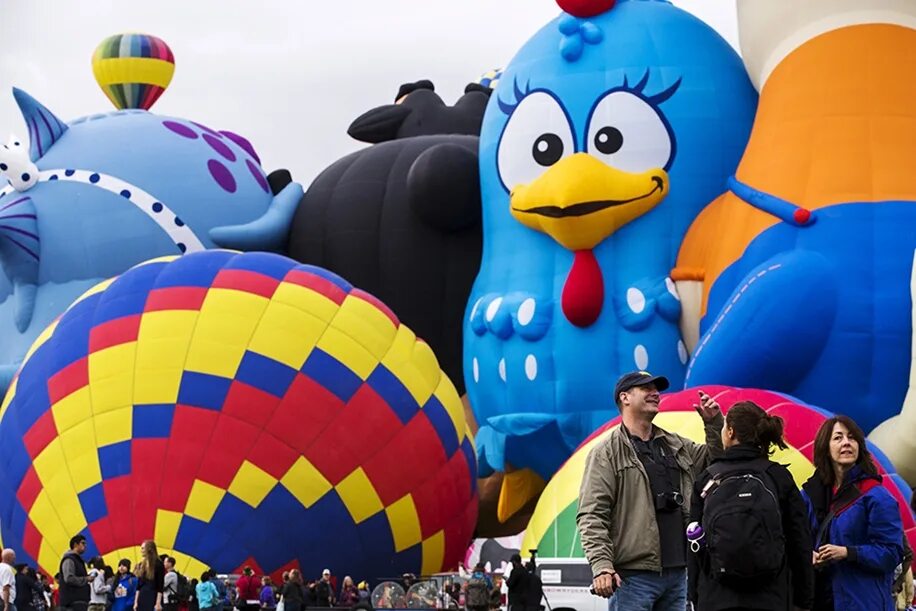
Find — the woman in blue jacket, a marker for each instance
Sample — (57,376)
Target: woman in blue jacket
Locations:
(856,523)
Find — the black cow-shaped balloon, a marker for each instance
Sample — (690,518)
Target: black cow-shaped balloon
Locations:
(419,111)
(401,219)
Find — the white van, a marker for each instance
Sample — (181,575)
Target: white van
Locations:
(566,582)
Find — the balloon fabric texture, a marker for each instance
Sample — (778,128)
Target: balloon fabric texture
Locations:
(238,409)
(605,138)
(553,531)
(804,267)
(401,218)
(133,70)
(111,190)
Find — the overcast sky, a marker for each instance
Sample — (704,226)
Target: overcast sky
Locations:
(290,76)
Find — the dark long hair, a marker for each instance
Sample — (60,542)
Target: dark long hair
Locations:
(823,465)
(755,427)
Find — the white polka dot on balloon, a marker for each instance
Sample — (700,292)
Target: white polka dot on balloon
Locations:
(526,311)
(493,308)
(475,367)
(682,352)
(531,367)
(672,288)
(636,300)
(475,308)
(641,357)
(502,369)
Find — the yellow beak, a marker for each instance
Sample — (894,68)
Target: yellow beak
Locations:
(518,488)
(580,201)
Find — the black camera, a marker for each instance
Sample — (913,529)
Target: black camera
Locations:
(668,501)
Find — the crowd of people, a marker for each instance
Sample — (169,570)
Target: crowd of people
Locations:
(154,584)
(664,520)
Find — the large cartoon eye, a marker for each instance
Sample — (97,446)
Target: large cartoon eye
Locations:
(537,136)
(628,133)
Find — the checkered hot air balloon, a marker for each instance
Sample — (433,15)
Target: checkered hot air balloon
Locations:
(133,70)
(238,409)
(552,529)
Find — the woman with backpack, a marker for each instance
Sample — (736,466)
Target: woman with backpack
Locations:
(754,550)
(478,588)
(858,533)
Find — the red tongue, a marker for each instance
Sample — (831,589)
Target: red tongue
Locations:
(583,293)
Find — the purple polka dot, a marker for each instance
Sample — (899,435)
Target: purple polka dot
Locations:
(221,175)
(180,129)
(207,129)
(219,147)
(258,176)
(243,143)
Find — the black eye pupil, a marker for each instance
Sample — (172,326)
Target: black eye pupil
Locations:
(547,149)
(608,140)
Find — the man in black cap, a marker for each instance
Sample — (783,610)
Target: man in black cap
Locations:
(634,500)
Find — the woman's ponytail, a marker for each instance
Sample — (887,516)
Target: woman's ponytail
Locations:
(753,426)
(769,432)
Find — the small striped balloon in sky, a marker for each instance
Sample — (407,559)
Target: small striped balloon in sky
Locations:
(133,70)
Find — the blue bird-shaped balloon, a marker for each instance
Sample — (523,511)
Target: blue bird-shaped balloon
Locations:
(607,136)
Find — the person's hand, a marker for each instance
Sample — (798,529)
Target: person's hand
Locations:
(605,584)
(831,553)
(158,607)
(707,408)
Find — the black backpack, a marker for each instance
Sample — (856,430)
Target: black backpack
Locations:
(478,594)
(742,523)
(182,588)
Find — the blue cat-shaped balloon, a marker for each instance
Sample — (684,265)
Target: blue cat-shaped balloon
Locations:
(89,199)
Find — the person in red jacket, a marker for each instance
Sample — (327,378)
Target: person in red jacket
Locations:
(249,589)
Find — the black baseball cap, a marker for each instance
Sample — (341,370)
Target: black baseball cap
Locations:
(639,378)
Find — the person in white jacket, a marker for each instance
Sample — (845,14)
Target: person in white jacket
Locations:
(98,591)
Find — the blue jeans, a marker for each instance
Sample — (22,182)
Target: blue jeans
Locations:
(652,592)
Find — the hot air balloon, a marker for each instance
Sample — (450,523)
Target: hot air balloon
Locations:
(133,69)
(240,409)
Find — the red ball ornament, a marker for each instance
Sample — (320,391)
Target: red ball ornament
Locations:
(802,216)
(585,8)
